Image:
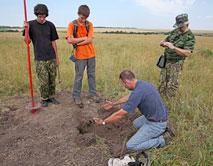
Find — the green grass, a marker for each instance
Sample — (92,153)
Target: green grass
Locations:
(191,112)
(205,52)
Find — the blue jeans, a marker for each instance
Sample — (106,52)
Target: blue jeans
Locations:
(148,135)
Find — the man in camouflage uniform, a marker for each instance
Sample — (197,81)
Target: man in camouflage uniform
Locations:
(178,45)
(44,35)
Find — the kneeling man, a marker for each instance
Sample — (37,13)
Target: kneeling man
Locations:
(153,122)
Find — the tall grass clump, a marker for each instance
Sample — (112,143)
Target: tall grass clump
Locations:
(205,52)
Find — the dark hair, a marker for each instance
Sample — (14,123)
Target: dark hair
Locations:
(127,75)
(84,10)
(41,9)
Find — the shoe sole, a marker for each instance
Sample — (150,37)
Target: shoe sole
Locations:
(171,130)
(167,137)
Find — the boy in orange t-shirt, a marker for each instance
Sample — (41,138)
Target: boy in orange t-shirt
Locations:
(84,54)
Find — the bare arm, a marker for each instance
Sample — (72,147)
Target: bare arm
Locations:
(180,51)
(113,118)
(72,40)
(110,104)
(56,52)
(122,100)
(26,24)
(25,39)
(87,41)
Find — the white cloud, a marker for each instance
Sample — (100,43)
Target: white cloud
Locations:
(209,17)
(166,7)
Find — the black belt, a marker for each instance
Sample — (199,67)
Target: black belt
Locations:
(157,121)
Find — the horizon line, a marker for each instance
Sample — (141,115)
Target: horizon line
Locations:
(59,27)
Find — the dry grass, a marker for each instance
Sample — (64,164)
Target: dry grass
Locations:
(191,112)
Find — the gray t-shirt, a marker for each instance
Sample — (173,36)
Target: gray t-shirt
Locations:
(42,36)
(148,101)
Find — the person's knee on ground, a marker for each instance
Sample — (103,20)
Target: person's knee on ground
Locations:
(130,146)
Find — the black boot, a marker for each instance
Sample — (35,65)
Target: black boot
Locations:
(54,101)
(44,103)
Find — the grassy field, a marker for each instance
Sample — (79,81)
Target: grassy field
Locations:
(191,112)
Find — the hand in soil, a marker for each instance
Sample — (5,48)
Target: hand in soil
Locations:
(98,121)
(108,105)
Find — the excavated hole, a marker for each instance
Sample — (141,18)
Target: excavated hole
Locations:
(83,127)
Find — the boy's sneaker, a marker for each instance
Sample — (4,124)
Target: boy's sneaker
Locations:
(44,103)
(167,137)
(95,98)
(171,130)
(54,101)
(79,103)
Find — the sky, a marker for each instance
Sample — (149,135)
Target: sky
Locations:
(142,14)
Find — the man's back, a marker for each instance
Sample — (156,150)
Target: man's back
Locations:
(148,101)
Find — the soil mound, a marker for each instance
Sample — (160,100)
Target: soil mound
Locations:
(60,134)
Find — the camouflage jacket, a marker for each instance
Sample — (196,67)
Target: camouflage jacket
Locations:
(185,41)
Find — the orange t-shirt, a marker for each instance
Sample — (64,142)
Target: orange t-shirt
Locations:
(86,51)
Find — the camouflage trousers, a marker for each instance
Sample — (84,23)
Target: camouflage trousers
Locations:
(46,72)
(169,78)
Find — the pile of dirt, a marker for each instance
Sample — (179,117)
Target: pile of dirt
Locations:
(60,134)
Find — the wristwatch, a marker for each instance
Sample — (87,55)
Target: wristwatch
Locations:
(173,48)
(103,123)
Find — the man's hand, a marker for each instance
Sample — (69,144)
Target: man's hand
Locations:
(162,43)
(26,24)
(108,105)
(169,45)
(98,121)
(57,61)
(69,40)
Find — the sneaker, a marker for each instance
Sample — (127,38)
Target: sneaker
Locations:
(96,99)
(54,101)
(79,103)
(171,130)
(44,103)
(167,137)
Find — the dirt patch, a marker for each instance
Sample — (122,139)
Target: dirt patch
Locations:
(59,134)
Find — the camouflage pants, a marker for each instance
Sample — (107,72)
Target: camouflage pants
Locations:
(169,78)
(46,72)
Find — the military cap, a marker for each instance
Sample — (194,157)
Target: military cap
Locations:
(180,20)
